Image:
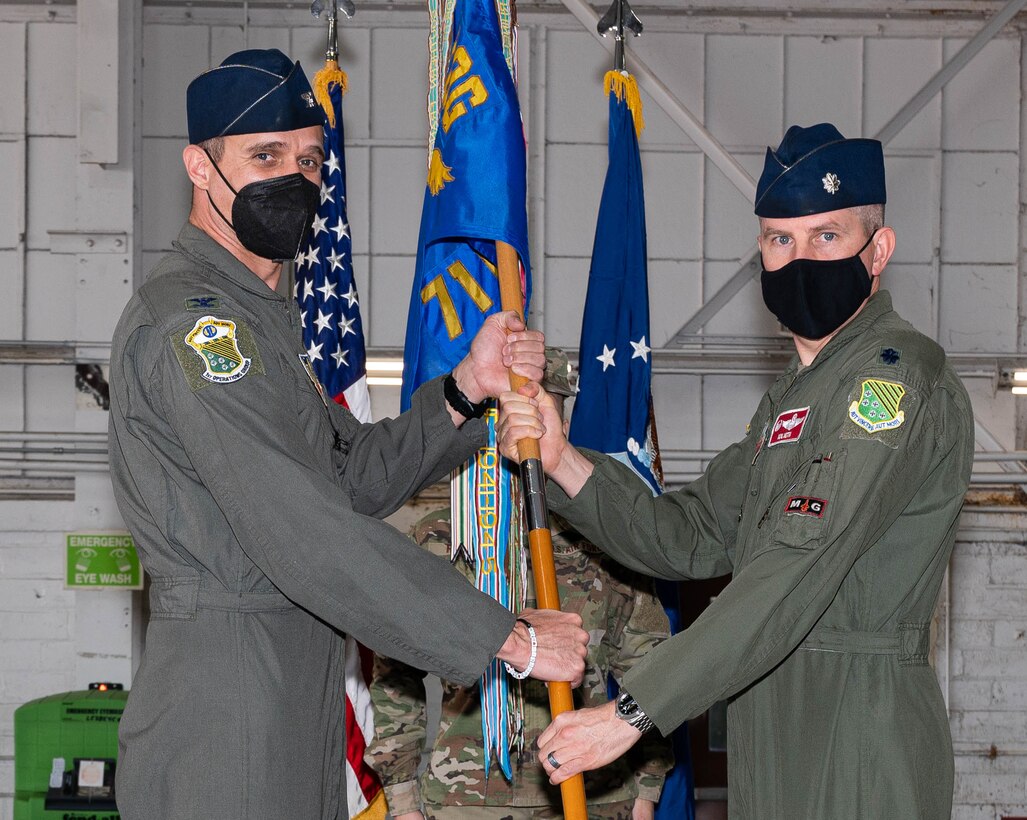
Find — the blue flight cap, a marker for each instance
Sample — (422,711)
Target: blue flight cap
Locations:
(816,169)
(251,92)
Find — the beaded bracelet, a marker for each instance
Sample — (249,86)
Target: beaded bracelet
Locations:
(531,660)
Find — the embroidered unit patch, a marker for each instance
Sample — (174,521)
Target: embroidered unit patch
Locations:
(805,505)
(788,426)
(215,342)
(877,408)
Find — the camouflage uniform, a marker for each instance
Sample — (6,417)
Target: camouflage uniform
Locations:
(625,620)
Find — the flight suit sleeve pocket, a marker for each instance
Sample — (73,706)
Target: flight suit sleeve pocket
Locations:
(802,514)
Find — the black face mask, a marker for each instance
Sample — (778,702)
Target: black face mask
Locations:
(272,217)
(815,297)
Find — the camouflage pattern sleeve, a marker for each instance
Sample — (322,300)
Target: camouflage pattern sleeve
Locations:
(400,721)
(646,626)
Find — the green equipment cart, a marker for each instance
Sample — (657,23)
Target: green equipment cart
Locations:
(65,755)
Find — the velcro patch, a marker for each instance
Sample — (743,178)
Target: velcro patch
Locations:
(806,505)
(216,351)
(205,302)
(877,406)
(788,426)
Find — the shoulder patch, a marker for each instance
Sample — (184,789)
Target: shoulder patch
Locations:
(877,406)
(216,351)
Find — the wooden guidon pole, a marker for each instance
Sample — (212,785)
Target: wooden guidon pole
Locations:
(540,540)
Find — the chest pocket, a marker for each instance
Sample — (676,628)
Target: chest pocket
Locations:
(801,515)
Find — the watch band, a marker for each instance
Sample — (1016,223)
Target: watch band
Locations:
(628,710)
(459,402)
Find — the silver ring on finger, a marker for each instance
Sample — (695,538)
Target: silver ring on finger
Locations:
(553,761)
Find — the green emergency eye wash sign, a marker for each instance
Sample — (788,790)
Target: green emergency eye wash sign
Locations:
(102,561)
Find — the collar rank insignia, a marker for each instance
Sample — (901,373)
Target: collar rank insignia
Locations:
(215,342)
(805,505)
(877,407)
(788,426)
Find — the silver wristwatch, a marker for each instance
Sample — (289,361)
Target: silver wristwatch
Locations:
(631,713)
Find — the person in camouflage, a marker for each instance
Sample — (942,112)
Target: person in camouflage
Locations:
(619,609)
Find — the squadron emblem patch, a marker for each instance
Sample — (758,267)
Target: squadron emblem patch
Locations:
(877,407)
(805,505)
(217,345)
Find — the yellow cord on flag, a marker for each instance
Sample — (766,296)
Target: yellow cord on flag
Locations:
(328,76)
(624,85)
(438,173)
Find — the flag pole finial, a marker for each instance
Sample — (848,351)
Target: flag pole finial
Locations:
(331,74)
(617,19)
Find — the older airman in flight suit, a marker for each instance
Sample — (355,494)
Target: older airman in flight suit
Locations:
(255,502)
(836,515)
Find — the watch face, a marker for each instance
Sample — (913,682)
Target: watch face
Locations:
(626,706)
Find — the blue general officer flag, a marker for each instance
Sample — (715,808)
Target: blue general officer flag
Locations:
(613,409)
(475,195)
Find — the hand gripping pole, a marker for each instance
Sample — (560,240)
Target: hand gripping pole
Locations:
(540,539)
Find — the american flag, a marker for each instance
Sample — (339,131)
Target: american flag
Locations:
(333,335)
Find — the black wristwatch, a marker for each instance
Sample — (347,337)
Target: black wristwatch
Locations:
(459,402)
(631,713)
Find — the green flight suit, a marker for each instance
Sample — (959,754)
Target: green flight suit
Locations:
(620,611)
(836,515)
(254,504)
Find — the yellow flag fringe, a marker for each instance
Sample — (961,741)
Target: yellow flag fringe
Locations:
(328,76)
(376,809)
(438,173)
(624,85)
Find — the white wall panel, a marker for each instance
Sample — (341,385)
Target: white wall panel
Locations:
(566,284)
(677,405)
(914,291)
(52,90)
(12,286)
(12,194)
(167,192)
(385,311)
(50,395)
(13,66)
(12,398)
(674,292)
(673,182)
(398,182)
(225,40)
(980,193)
(728,405)
(978,308)
(172,57)
(575,105)
(574,185)
(49,306)
(831,93)
(680,62)
(993,409)
(914,185)
(744,87)
(745,315)
(894,70)
(729,225)
(400,85)
(979,104)
(52,169)
(358,197)
(103,285)
(308,46)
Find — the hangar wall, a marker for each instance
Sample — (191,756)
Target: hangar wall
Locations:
(957,181)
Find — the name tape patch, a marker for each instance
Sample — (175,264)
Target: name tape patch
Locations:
(788,426)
